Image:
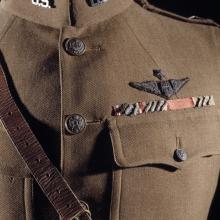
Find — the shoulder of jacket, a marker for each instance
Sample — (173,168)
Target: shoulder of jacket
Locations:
(192,19)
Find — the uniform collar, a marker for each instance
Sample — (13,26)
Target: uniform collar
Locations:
(77,13)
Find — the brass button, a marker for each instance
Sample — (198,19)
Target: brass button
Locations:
(75,46)
(180,155)
(75,124)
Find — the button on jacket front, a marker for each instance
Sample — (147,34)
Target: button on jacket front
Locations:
(125,100)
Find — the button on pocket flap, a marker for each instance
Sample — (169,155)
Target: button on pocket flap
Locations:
(154,138)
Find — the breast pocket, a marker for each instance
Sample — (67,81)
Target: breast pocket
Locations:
(167,164)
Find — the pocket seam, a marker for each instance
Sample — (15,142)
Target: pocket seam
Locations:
(28,199)
(116,195)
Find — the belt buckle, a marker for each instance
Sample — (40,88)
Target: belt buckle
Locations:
(86,214)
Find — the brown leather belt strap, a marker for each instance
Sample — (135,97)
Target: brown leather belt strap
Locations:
(50,180)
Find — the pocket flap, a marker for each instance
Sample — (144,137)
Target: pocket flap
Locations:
(152,138)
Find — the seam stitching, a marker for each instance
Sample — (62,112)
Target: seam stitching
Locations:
(7,26)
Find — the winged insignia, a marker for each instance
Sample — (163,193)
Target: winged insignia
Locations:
(162,87)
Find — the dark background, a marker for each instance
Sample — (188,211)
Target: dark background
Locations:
(204,9)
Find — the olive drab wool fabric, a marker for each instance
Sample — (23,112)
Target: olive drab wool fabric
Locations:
(124,98)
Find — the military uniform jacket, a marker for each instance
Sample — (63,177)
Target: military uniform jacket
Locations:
(125,100)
